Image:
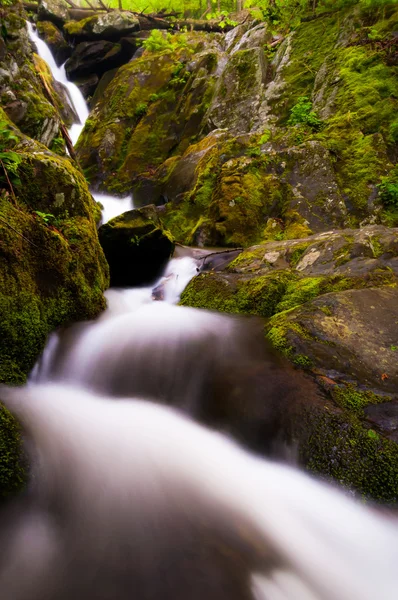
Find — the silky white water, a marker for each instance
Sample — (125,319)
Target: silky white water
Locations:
(75,95)
(131,499)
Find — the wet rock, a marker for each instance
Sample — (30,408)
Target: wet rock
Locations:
(87,85)
(55,40)
(385,417)
(136,247)
(352,333)
(93,57)
(107,26)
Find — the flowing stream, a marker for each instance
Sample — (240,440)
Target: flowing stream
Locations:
(112,206)
(130,498)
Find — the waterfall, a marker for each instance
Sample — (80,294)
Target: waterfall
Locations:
(138,487)
(77,101)
(112,206)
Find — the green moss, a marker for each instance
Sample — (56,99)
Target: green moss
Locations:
(339,445)
(296,253)
(360,88)
(74,28)
(351,397)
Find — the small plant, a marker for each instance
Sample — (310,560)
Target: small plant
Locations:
(141,110)
(9,159)
(223,17)
(388,189)
(302,114)
(47,218)
(157,41)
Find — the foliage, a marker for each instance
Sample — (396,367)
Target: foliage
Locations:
(9,159)
(388,189)
(47,218)
(141,110)
(160,41)
(302,114)
(223,17)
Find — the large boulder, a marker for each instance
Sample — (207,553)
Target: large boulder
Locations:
(55,41)
(107,26)
(136,246)
(330,301)
(94,58)
(151,109)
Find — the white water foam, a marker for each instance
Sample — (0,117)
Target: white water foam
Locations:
(132,500)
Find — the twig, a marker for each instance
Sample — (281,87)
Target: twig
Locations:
(104,6)
(9,183)
(18,232)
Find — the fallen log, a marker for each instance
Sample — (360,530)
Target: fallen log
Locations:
(147,22)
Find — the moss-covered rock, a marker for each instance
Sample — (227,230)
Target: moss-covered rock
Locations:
(136,246)
(55,41)
(52,268)
(330,303)
(55,11)
(239,89)
(151,109)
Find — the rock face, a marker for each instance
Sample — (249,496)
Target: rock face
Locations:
(331,303)
(54,11)
(136,246)
(288,145)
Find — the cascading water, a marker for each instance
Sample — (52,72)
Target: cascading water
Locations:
(130,499)
(75,95)
(112,206)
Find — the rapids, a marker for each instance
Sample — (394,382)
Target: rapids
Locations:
(129,498)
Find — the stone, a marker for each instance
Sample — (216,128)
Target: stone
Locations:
(93,57)
(87,85)
(55,11)
(136,247)
(351,334)
(110,26)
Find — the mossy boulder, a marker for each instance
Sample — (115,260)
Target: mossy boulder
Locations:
(330,304)
(107,26)
(55,41)
(149,111)
(136,246)
(351,335)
